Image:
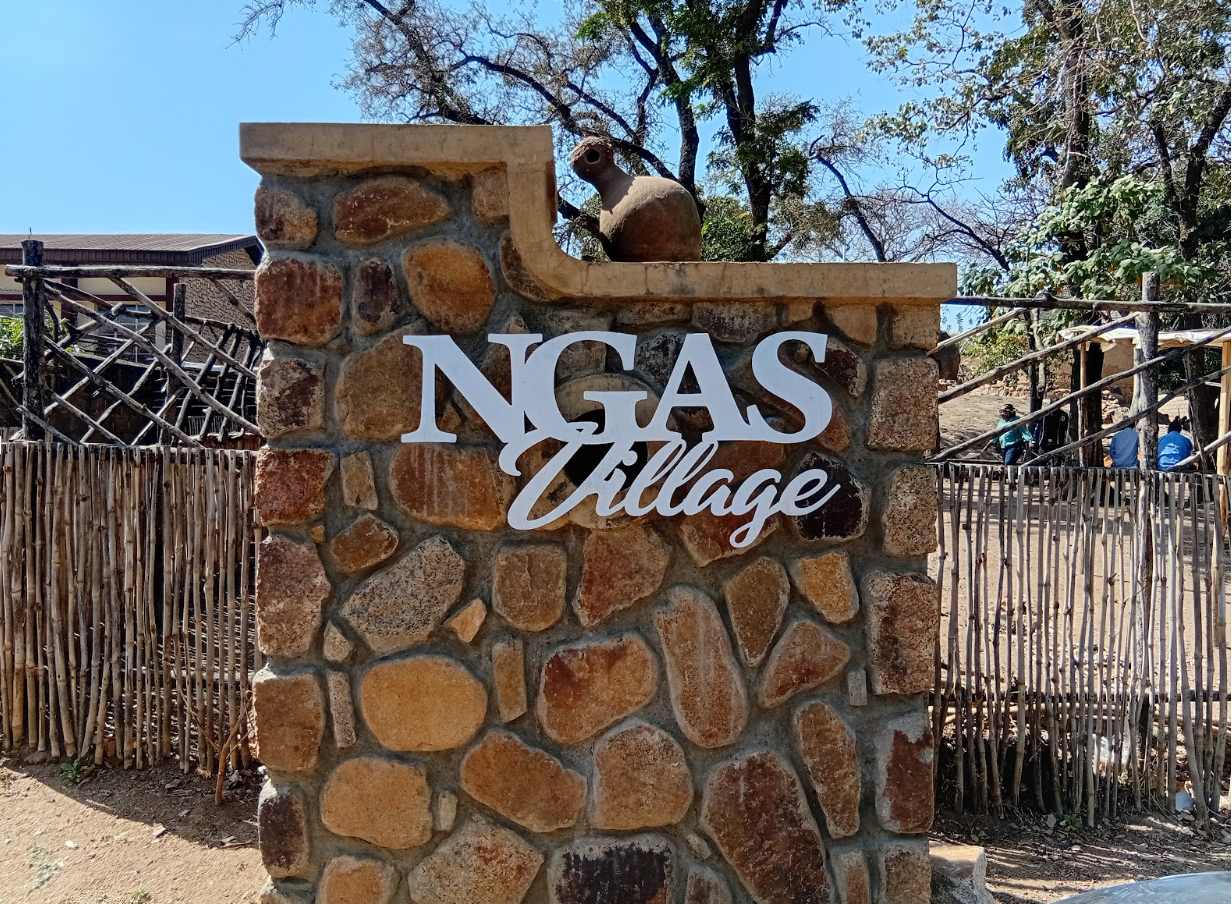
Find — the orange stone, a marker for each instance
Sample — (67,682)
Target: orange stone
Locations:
(490,195)
(826,582)
(290,396)
(528,586)
(358,482)
(450,485)
(641,779)
(357,880)
(481,863)
(587,687)
(904,613)
(807,656)
(289,484)
(509,678)
(525,785)
(906,873)
(291,588)
(361,788)
(385,208)
(290,718)
(904,411)
(756,600)
(450,285)
(422,703)
(851,877)
(298,300)
(284,219)
(828,748)
(467,622)
(620,569)
(909,524)
(367,542)
(707,537)
(905,774)
(379,389)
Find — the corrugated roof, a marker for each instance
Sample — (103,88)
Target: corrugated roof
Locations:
(166,248)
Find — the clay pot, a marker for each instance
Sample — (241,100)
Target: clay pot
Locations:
(643,218)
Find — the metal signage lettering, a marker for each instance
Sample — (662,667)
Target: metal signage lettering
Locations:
(674,465)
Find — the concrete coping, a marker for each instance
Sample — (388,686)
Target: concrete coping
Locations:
(309,150)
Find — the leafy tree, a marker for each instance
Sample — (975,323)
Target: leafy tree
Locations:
(11,331)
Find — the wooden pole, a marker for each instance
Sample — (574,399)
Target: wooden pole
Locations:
(1146,386)
(32,339)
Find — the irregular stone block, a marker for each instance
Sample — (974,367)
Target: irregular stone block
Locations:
(620,568)
(754,808)
(367,542)
(282,832)
(358,483)
(357,880)
(375,304)
(335,646)
(741,322)
(858,322)
(641,779)
(707,537)
(284,219)
(290,715)
(384,208)
(290,396)
(743,457)
(528,786)
(844,367)
(756,600)
(454,486)
(857,687)
(837,435)
(445,811)
(826,582)
(379,801)
(706,886)
(851,877)
(958,874)
(904,615)
(271,894)
(289,484)
(845,515)
(341,709)
(586,687)
(828,748)
(579,357)
(379,389)
(905,774)
(481,862)
(636,870)
(909,524)
(450,285)
(469,620)
(707,693)
(399,607)
(918,327)
(528,586)
(905,873)
(291,588)
(298,300)
(904,412)
(490,195)
(509,678)
(807,656)
(654,359)
(422,703)
(513,268)
(652,313)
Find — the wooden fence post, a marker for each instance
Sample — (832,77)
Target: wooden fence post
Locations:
(1146,390)
(32,339)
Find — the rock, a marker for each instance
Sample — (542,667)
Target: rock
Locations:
(298,300)
(490,195)
(642,218)
(707,537)
(637,870)
(467,622)
(579,357)
(291,589)
(904,617)
(843,367)
(379,389)
(697,844)
(271,894)
(335,646)
(367,542)
(445,811)
(857,687)
(703,680)
(284,219)
(341,709)
(362,787)
(905,774)
(289,485)
(737,322)
(481,863)
(290,396)
(756,600)
(706,886)
(641,779)
(909,524)
(400,606)
(807,656)
(358,484)
(958,872)
(422,703)
(858,322)
(357,880)
(450,285)
(904,412)
(450,485)
(906,873)
(586,687)
(851,877)
(654,313)
(282,832)
(845,515)
(917,327)
(620,569)
(525,785)
(290,716)
(384,208)
(743,457)
(826,582)
(528,586)
(837,435)
(828,748)
(754,808)
(375,304)
(517,277)
(509,678)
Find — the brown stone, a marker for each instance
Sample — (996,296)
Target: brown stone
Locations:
(703,680)
(290,484)
(358,789)
(469,619)
(341,709)
(451,485)
(298,300)
(400,606)
(367,542)
(637,870)
(641,779)
(742,457)
(525,785)
(586,687)
(375,303)
(916,327)
(652,313)
(904,616)
(509,678)
(910,519)
(837,435)
(905,774)
(851,877)
(579,357)
(282,832)
(422,703)
(959,872)
(358,483)
(357,880)
(384,208)
(335,646)
(828,748)
(528,586)
(739,322)
(290,717)
(481,863)
(379,389)
(620,569)
(291,588)
(706,886)
(904,412)
(807,656)
(490,195)
(450,285)
(826,582)
(858,322)
(844,367)
(284,219)
(906,874)
(707,537)
(290,396)
(845,515)
(756,600)
(754,808)
(513,268)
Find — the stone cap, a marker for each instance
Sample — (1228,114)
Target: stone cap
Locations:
(308,150)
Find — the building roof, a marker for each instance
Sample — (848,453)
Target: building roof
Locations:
(187,249)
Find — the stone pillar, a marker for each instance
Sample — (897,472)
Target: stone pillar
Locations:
(607,708)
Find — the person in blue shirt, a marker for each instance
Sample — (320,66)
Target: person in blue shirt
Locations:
(1013,441)
(1123,447)
(1174,446)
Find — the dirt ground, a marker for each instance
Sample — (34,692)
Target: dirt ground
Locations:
(156,837)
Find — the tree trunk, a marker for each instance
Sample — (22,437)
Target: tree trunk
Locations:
(1092,405)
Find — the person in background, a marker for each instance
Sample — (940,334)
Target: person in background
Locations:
(1050,431)
(1174,446)
(1123,448)
(1013,441)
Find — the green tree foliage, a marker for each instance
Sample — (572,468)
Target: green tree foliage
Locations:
(11,331)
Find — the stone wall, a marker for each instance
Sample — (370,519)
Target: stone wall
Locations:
(618,711)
